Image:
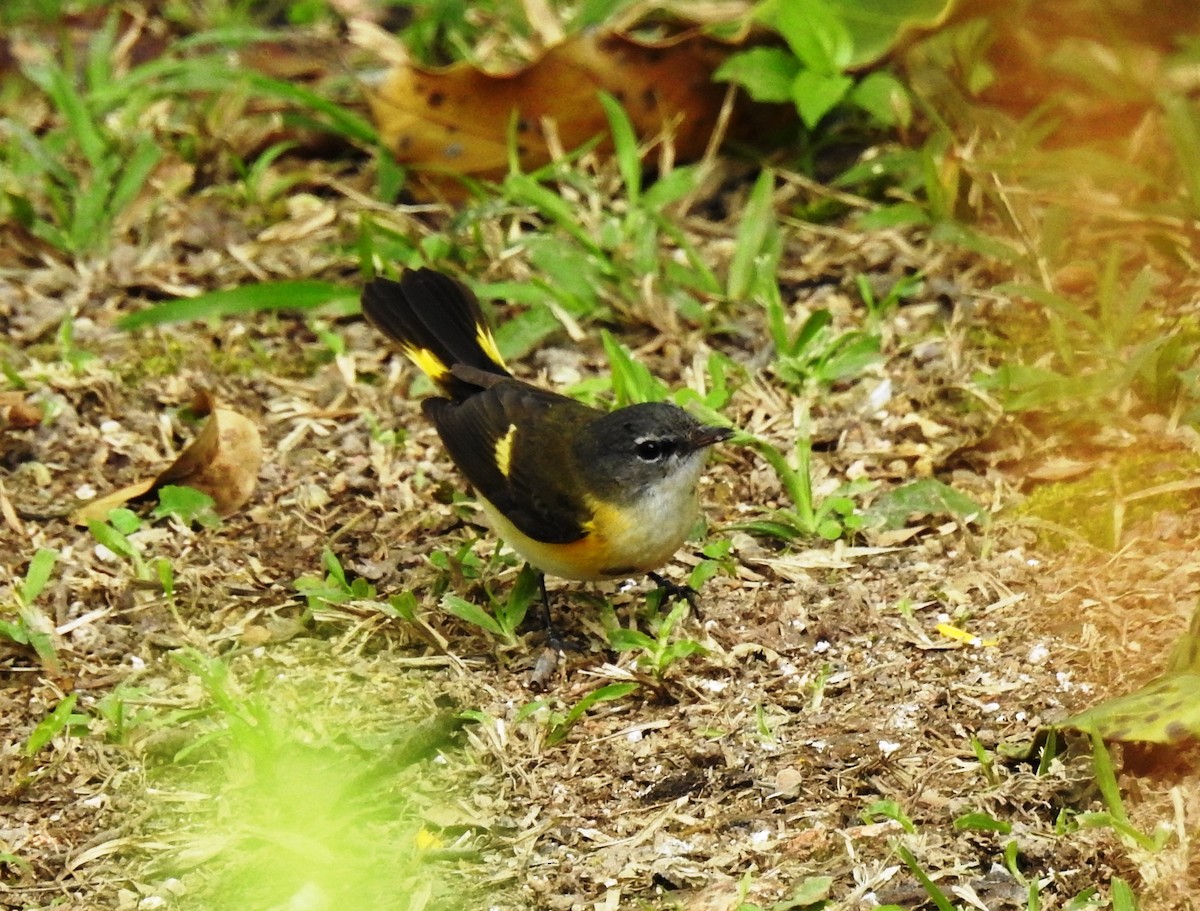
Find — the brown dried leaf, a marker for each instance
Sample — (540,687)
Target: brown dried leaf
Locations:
(18,413)
(98,508)
(222,461)
(456,120)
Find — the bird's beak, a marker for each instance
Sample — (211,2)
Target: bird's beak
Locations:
(704,437)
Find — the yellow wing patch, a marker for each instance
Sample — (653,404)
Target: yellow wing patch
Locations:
(504,448)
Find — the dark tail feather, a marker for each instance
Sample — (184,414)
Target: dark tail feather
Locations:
(437,323)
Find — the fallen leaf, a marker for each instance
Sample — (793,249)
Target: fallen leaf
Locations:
(17,412)
(1166,710)
(1059,468)
(456,120)
(97,510)
(222,461)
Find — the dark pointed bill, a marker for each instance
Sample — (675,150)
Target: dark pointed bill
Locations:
(706,436)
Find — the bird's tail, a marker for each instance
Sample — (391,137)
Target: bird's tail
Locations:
(437,323)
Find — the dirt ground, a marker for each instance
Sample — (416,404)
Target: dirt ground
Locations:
(853,701)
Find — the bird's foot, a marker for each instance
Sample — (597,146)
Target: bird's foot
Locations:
(673,591)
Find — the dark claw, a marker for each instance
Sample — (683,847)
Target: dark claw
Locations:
(673,592)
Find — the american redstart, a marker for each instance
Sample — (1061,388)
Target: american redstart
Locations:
(578,492)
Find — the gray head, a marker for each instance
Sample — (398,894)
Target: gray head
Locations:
(633,449)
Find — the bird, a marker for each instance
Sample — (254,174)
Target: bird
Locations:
(579,493)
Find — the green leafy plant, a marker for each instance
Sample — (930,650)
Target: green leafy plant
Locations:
(188,505)
(717,558)
(986,761)
(230,714)
(979,821)
(888,809)
(631,382)
(63,718)
(507,614)
(1099,355)
(32,627)
(815,353)
(268,296)
(758,245)
(936,895)
(827,41)
(594,252)
(115,534)
(120,712)
(1115,816)
(560,724)
(73,184)
(657,651)
(260,186)
(335,589)
(85,171)
(830,518)
(880,307)
(463,562)
(1121,895)
(926,497)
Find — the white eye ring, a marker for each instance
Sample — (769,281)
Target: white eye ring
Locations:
(651,450)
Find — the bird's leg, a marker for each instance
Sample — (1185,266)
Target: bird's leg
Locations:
(555,638)
(544,619)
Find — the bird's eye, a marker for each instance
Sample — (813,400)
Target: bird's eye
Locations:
(652,450)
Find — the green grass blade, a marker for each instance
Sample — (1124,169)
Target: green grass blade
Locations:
(758,220)
(51,725)
(705,279)
(38,574)
(137,170)
(937,895)
(79,120)
(288,295)
(1184,130)
(98,63)
(625,145)
(1106,780)
(473,613)
(632,380)
(603,694)
(522,188)
(338,118)
(1122,895)
(38,153)
(88,224)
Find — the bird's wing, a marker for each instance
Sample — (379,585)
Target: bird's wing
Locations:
(512,442)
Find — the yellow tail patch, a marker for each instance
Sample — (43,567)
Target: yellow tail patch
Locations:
(483,335)
(429,363)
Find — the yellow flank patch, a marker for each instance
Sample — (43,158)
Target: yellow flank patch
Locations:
(488,344)
(504,447)
(431,365)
